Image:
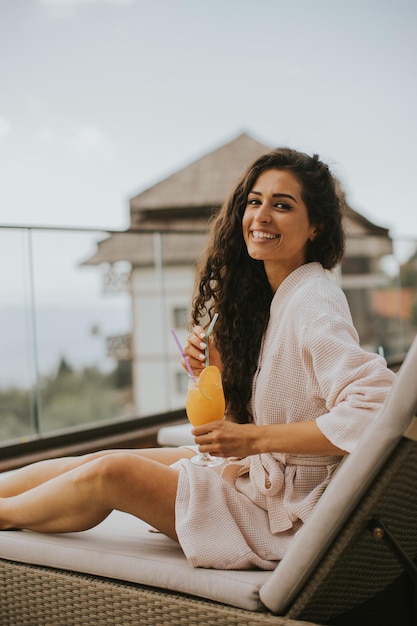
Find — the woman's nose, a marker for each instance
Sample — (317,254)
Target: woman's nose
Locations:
(263,213)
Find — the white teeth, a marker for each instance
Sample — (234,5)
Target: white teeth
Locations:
(257,234)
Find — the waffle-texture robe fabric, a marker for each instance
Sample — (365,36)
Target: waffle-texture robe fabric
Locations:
(246,513)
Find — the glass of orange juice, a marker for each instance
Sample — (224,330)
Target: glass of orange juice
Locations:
(205,403)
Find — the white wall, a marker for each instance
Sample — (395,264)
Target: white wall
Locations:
(156,358)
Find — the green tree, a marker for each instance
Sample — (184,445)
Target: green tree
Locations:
(69,398)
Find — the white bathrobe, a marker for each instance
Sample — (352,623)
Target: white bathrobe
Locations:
(246,513)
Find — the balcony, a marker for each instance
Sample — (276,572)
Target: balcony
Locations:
(86,356)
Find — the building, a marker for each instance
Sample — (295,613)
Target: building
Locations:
(168,222)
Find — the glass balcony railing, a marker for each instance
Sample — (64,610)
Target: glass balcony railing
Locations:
(56,368)
(85,318)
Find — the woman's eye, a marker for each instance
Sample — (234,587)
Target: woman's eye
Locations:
(282,205)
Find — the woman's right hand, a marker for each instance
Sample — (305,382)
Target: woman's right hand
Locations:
(195,351)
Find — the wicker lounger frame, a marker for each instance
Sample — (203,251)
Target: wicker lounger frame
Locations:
(39,596)
(360,582)
(356,568)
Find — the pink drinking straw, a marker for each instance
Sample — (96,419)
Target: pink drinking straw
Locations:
(184,356)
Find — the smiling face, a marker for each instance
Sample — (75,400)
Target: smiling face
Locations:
(275,224)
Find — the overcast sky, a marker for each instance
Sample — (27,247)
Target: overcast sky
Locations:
(100,99)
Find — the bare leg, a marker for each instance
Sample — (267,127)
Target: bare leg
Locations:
(33,475)
(82,497)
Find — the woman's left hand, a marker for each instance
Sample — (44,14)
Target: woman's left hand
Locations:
(226,439)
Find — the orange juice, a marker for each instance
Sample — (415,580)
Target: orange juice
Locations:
(205,399)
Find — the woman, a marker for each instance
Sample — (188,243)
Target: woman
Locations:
(300,391)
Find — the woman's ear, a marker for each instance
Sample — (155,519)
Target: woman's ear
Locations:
(317,230)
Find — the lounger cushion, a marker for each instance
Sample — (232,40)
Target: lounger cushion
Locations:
(123,548)
(179,435)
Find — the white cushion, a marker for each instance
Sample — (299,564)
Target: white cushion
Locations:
(122,547)
(179,435)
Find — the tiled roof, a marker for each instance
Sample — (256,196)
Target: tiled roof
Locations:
(204,183)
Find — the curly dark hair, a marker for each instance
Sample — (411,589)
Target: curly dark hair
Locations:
(231,283)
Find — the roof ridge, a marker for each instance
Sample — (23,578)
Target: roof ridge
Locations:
(205,181)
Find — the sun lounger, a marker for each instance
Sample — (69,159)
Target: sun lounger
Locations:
(345,567)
